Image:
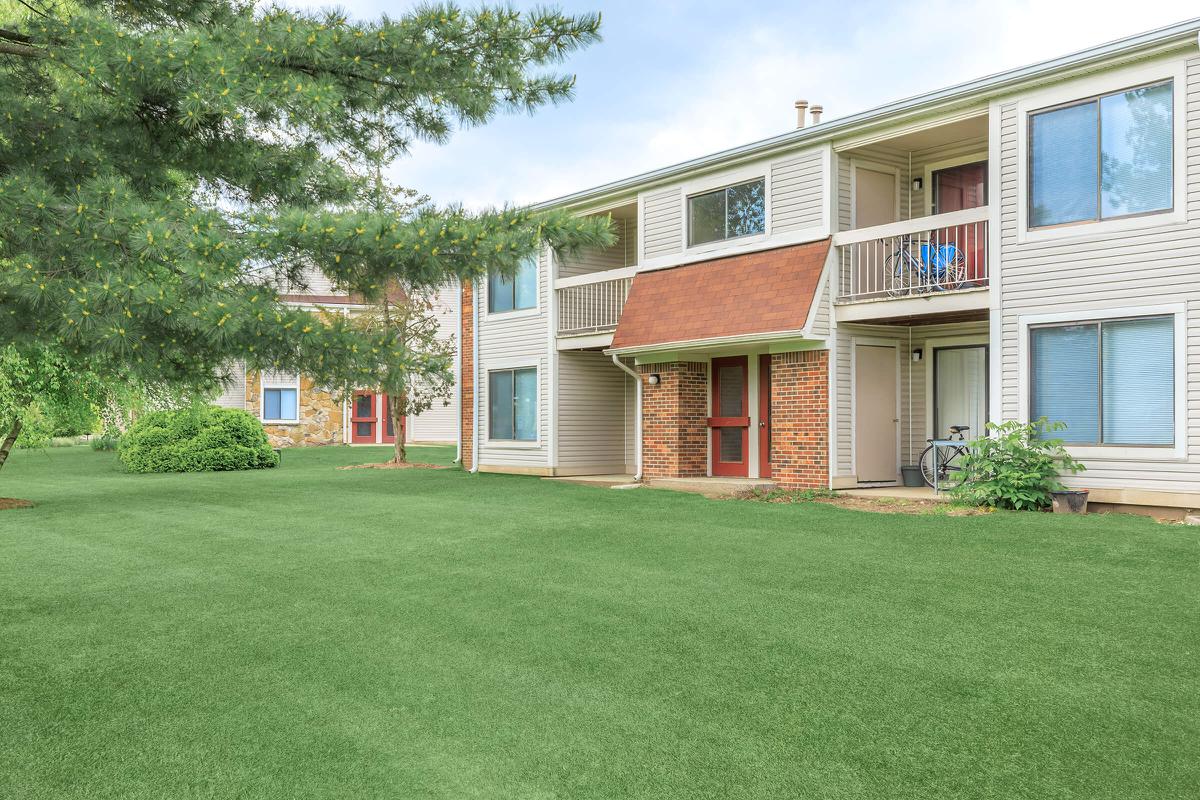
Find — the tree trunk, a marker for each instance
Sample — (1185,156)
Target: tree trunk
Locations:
(396,403)
(9,441)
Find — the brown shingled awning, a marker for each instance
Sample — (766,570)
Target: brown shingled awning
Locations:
(770,291)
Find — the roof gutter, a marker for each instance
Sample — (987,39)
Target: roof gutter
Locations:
(1161,39)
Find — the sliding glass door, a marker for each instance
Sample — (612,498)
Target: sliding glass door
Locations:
(960,389)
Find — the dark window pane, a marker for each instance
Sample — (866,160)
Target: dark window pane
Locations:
(1139,381)
(707,217)
(731,445)
(1135,143)
(731,381)
(364,429)
(500,293)
(500,405)
(1066,380)
(363,406)
(525,389)
(1063,165)
(747,209)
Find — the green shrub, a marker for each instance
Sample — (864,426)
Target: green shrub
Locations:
(105,441)
(1016,467)
(197,439)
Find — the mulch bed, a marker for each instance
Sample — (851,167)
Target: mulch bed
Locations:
(12,502)
(885,505)
(394,465)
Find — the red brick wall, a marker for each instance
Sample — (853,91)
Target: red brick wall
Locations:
(800,419)
(675,420)
(466,378)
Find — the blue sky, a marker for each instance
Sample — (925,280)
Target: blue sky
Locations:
(674,80)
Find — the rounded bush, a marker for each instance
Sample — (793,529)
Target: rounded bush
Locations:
(200,439)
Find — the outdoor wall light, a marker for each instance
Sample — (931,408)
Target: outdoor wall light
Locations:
(916,354)
(918,183)
(653,379)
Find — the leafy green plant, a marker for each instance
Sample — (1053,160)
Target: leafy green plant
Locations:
(1016,466)
(105,441)
(196,439)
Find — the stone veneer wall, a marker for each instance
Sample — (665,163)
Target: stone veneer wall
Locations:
(800,419)
(675,420)
(320,416)
(466,377)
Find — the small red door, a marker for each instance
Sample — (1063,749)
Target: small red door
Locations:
(389,429)
(764,416)
(362,418)
(730,421)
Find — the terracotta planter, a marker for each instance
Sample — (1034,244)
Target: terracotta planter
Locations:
(1070,501)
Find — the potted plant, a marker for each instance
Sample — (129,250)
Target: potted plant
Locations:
(1017,466)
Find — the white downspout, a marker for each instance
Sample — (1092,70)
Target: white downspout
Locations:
(637,421)
(458,364)
(475,377)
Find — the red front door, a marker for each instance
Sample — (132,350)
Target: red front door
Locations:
(363,418)
(730,421)
(764,416)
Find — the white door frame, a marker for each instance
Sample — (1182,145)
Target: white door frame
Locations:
(951,341)
(870,341)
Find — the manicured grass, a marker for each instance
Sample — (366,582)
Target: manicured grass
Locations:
(308,632)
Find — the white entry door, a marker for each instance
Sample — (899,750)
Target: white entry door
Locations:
(875,420)
(960,389)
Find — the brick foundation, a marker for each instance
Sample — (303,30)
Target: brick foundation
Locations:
(675,420)
(800,419)
(466,378)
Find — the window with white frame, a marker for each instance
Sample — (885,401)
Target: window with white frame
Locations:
(738,210)
(512,405)
(513,293)
(1111,381)
(1102,158)
(280,397)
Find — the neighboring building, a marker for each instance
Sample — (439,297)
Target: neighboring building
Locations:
(296,412)
(813,307)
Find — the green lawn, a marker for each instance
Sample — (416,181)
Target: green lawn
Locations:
(308,632)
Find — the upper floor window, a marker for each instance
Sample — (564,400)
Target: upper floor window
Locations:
(728,213)
(515,293)
(1102,158)
(1110,381)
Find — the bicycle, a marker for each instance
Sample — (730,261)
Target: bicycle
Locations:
(939,268)
(939,465)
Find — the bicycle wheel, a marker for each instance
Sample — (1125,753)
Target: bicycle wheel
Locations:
(954,275)
(896,274)
(940,461)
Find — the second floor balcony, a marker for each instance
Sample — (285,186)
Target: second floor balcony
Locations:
(591,304)
(924,256)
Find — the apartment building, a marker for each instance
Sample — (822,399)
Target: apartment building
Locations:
(812,308)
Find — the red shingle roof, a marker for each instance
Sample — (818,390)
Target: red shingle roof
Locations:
(763,292)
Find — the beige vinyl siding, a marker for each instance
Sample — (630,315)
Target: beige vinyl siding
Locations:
(662,219)
(1141,267)
(513,341)
(233,394)
(591,413)
(594,259)
(824,309)
(440,423)
(312,281)
(797,193)
(914,410)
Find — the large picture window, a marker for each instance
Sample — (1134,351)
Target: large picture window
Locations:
(728,213)
(512,405)
(1102,158)
(1112,382)
(515,293)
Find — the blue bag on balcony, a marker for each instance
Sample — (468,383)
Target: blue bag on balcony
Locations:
(938,258)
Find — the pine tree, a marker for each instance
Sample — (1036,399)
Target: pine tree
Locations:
(164,164)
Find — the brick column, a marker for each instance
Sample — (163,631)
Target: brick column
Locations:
(674,420)
(800,419)
(466,378)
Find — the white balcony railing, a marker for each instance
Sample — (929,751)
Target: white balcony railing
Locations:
(589,304)
(939,253)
